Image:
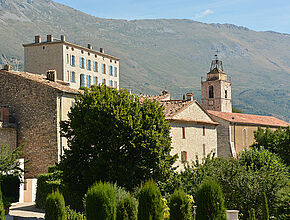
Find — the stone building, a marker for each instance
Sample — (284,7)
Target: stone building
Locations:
(8,131)
(74,64)
(37,104)
(235,131)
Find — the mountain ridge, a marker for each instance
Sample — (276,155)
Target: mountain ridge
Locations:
(159,53)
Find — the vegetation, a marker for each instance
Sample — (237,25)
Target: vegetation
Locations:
(180,206)
(9,160)
(55,207)
(282,207)
(101,202)
(72,214)
(265,211)
(210,201)
(111,134)
(277,141)
(236,110)
(252,215)
(127,208)
(150,202)
(2,211)
(10,188)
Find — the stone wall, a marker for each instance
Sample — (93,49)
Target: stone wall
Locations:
(34,107)
(8,136)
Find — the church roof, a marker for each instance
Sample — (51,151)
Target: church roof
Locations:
(250,119)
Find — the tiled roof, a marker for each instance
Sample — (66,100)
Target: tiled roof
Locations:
(171,107)
(58,85)
(154,97)
(250,119)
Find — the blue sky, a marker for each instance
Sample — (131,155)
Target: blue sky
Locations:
(260,15)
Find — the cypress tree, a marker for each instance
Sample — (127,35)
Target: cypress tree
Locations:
(55,207)
(180,206)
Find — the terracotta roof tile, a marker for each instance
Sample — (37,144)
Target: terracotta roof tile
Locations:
(250,119)
(58,85)
(171,107)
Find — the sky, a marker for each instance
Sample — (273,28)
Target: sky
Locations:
(259,15)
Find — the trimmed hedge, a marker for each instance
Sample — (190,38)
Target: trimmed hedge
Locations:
(210,201)
(55,207)
(101,202)
(10,187)
(180,206)
(127,208)
(150,202)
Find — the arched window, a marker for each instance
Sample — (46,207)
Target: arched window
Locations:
(226,92)
(245,144)
(210,92)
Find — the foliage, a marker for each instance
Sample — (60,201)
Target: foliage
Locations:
(101,202)
(2,211)
(236,110)
(265,210)
(243,180)
(46,184)
(277,141)
(55,207)
(127,208)
(282,203)
(150,202)
(113,137)
(9,160)
(73,215)
(166,213)
(252,214)
(10,187)
(180,206)
(210,201)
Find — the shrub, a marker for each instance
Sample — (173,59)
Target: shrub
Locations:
(127,208)
(282,207)
(265,208)
(101,202)
(150,202)
(10,187)
(252,215)
(55,207)
(72,214)
(46,184)
(2,211)
(210,201)
(180,207)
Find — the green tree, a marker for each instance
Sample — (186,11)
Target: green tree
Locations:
(252,214)
(114,137)
(2,211)
(277,141)
(8,160)
(55,207)
(180,206)
(265,211)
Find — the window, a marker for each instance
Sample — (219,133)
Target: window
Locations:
(226,93)
(82,62)
(104,82)
(183,132)
(245,138)
(203,150)
(104,69)
(116,84)
(96,80)
(72,60)
(72,76)
(210,91)
(115,71)
(203,131)
(111,83)
(89,65)
(183,156)
(67,75)
(96,67)
(111,71)
(89,81)
(82,80)
(67,59)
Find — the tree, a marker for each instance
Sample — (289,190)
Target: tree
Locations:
(114,137)
(265,213)
(55,207)
(180,206)
(8,160)
(277,141)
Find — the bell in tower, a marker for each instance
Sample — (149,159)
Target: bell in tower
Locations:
(216,89)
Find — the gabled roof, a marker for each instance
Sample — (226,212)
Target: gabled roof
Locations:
(250,119)
(58,85)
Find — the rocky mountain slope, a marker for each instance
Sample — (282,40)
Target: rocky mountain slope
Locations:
(162,53)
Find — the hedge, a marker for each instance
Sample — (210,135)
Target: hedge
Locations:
(55,207)
(10,187)
(127,208)
(180,206)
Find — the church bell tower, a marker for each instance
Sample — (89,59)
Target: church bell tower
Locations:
(216,92)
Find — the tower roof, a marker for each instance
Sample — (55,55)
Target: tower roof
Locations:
(216,64)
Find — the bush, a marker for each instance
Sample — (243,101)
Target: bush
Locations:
(72,214)
(127,208)
(265,210)
(101,202)
(180,206)
(150,202)
(210,201)
(252,215)
(55,207)
(46,184)
(10,187)
(2,211)
(282,207)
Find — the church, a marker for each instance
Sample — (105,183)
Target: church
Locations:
(235,131)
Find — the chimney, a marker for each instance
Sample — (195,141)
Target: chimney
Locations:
(4,113)
(37,39)
(102,50)
(62,38)
(90,46)
(189,96)
(51,75)
(7,67)
(49,38)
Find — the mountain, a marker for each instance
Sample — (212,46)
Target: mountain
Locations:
(161,53)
